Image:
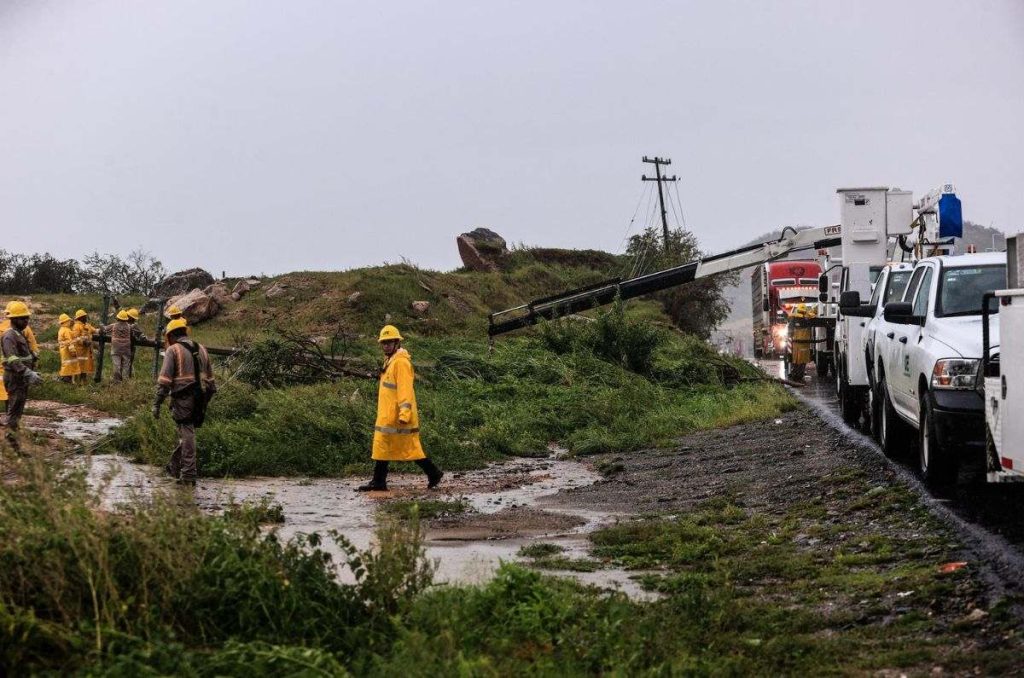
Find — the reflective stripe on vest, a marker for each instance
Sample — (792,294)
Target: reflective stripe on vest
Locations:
(393,430)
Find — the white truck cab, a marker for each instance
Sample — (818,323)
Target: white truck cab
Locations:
(927,353)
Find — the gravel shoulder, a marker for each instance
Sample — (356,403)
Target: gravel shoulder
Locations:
(814,520)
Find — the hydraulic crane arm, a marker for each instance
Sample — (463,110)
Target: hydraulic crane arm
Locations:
(575,301)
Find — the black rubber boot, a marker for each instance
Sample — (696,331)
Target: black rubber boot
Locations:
(434,474)
(380,479)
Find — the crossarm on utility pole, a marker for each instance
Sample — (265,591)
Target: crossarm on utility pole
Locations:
(575,301)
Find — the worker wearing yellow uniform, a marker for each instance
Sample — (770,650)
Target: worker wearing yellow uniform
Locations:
(69,368)
(83,332)
(396,433)
(30,337)
(173,313)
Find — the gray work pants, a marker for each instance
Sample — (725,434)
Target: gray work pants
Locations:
(17,395)
(122,366)
(183,459)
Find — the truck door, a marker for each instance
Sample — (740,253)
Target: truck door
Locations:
(907,348)
(876,309)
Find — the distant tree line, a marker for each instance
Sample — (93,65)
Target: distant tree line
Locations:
(97,273)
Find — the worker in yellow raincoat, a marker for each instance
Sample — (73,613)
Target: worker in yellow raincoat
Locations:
(30,337)
(82,332)
(69,367)
(396,433)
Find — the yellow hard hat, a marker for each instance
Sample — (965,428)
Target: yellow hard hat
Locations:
(133,313)
(18,309)
(388,333)
(122,315)
(176,324)
(80,313)
(173,311)
(64,318)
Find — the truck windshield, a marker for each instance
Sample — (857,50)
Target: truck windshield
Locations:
(961,289)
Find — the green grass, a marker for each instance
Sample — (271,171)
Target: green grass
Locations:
(161,589)
(475,407)
(615,383)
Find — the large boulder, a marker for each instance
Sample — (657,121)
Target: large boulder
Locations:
(220,293)
(482,250)
(196,306)
(278,289)
(181,282)
(243,287)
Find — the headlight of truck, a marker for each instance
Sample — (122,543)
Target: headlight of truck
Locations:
(955,373)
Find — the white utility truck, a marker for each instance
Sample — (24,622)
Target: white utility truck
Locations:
(1003,370)
(929,351)
(869,217)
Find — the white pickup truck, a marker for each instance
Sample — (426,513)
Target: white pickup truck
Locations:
(926,362)
(856,337)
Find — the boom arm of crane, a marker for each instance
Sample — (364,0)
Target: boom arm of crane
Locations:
(583,299)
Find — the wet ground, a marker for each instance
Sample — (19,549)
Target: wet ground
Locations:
(508,506)
(989,515)
(558,500)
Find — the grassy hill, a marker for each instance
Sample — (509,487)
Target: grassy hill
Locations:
(620,379)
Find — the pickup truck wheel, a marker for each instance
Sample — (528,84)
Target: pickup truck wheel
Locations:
(875,411)
(837,373)
(821,365)
(937,465)
(892,431)
(849,404)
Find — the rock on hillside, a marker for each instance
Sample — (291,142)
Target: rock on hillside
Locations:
(181,282)
(197,306)
(482,249)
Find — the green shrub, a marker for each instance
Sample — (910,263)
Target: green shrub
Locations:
(78,583)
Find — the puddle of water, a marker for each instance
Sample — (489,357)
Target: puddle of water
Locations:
(321,505)
(76,423)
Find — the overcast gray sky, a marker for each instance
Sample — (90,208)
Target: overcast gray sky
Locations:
(269,136)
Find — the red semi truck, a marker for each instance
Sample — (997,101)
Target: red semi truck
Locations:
(775,289)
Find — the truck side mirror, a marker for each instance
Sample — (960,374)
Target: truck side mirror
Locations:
(849,300)
(899,312)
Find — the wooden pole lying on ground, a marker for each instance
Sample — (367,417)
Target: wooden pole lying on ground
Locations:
(158,337)
(99,359)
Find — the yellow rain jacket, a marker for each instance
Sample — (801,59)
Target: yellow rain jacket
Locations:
(396,435)
(82,333)
(69,366)
(30,337)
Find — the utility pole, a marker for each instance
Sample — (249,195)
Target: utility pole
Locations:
(658,162)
